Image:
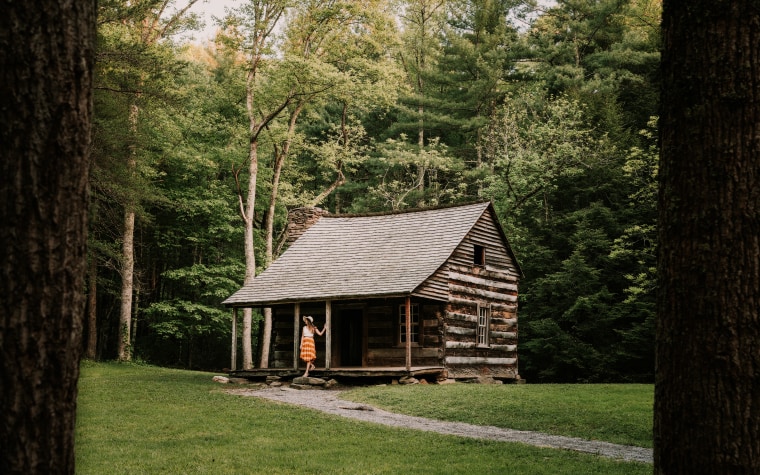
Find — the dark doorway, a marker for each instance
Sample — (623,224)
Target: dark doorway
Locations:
(350,337)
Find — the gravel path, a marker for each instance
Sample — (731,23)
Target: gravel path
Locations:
(329,401)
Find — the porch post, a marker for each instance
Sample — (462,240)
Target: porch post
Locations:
(233,356)
(328,333)
(296,341)
(408,334)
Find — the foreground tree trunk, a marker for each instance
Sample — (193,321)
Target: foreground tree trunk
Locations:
(45,90)
(707,392)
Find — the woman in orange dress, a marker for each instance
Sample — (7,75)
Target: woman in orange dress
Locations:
(308,349)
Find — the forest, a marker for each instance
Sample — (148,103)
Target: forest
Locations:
(200,148)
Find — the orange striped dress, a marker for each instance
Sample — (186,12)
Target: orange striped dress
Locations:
(308,349)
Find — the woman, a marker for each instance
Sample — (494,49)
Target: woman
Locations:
(308,349)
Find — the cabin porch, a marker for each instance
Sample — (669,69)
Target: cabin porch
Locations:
(364,338)
(356,373)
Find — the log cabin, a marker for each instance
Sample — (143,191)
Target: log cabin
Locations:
(427,293)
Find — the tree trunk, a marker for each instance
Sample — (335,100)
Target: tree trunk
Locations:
(269,239)
(248,216)
(127,286)
(266,338)
(281,153)
(46,67)
(420,182)
(135,313)
(707,391)
(246,343)
(128,252)
(264,17)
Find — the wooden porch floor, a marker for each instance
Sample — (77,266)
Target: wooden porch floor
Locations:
(347,372)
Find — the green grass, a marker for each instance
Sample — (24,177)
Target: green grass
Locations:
(146,420)
(618,413)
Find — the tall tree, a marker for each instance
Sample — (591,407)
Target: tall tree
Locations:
(133,42)
(45,88)
(473,75)
(250,32)
(707,390)
(316,62)
(606,53)
(554,182)
(337,53)
(584,229)
(423,21)
(154,21)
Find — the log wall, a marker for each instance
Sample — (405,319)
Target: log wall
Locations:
(485,233)
(383,347)
(470,285)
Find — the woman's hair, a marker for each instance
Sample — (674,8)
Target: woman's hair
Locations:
(309,322)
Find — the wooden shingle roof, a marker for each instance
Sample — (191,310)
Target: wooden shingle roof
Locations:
(344,256)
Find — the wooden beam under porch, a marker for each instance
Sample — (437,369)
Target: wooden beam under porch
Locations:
(349,372)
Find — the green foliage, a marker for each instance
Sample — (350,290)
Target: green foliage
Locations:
(398,164)
(575,186)
(532,142)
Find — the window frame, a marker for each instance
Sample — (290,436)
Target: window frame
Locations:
(483,327)
(415,326)
(479,255)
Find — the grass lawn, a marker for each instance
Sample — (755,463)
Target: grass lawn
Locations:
(140,419)
(618,413)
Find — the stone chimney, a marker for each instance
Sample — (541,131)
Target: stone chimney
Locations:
(301,219)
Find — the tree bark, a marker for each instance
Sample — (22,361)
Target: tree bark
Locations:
(250,256)
(707,390)
(127,285)
(247,210)
(124,345)
(46,64)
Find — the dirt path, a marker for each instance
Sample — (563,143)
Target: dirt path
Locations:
(329,401)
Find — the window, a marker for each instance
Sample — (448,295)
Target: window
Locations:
(479,255)
(484,325)
(415,327)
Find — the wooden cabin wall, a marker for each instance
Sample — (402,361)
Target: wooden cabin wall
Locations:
(383,348)
(380,330)
(485,233)
(466,285)
(470,286)
(282,337)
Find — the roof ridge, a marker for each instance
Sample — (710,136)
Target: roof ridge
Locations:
(404,211)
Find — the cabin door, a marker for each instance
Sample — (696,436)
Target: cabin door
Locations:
(350,334)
